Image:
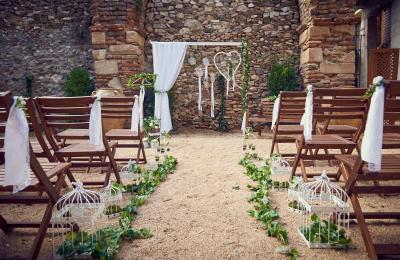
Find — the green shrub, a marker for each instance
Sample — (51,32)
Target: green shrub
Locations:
(282,76)
(78,83)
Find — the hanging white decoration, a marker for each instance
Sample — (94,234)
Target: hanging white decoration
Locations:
(192,61)
(206,63)
(222,62)
(212,78)
(199,73)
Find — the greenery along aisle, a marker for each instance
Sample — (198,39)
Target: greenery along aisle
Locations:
(104,243)
(263,209)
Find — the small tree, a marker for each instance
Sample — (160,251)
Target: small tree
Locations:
(282,76)
(78,83)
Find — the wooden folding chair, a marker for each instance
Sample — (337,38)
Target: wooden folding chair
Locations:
(331,104)
(359,180)
(65,117)
(46,178)
(121,108)
(287,126)
(258,121)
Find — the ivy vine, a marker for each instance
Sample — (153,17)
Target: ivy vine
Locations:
(222,125)
(147,80)
(246,72)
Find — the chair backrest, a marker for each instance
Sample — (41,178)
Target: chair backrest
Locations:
(392,108)
(6,101)
(61,113)
(291,107)
(348,104)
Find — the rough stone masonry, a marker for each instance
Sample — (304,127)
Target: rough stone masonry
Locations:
(46,39)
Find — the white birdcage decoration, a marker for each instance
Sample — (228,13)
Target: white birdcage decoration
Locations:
(325,222)
(129,173)
(280,172)
(75,218)
(294,192)
(113,199)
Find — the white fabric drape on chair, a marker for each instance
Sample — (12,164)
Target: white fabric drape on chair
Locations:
(16,146)
(168,58)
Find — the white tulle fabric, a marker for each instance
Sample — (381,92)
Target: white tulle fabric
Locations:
(95,125)
(275,111)
(212,78)
(16,146)
(135,119)
(307,119)
(371,147)
(168,58)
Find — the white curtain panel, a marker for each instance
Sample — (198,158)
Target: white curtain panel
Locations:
(95,125)
(16,146)
(371,147)
(275,111)
(168,59)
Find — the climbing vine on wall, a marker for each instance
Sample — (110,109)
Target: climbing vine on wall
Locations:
(222,126)
(246,70)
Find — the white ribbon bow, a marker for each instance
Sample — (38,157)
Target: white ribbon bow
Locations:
(307,119)
(95,125)
(371,147)
(16,146)
(135,119)
(275,111)
(199,73)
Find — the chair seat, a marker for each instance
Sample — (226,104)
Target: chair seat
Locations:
(73,134)
(290,129)
(80,150)
(51,170)
(338,129)
(121,134)
(389,162)
(329,142)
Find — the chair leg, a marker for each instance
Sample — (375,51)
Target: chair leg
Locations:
(142,149)
(296,161)
(4,226)
(273,144)
(303,170)
(114,167)
(363,227)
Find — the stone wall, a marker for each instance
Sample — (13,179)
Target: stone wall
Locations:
(42,39)
(269,25)
(327,42)
(118,40)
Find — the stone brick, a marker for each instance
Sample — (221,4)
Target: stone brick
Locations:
(311,55)
(105,67)
(98,37)
(337,68)
(134,37)
(319,31)
(125,49)
(345,28)
(99,54)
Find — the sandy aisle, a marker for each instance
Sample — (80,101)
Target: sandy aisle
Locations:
(196,214)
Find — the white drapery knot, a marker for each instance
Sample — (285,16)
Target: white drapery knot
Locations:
(16,147)
(95,125)
(371,147)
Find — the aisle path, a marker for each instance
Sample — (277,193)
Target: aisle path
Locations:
(196,213)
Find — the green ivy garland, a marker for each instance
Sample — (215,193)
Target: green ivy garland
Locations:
(104,243)
(246,71)
(142,79)
(263,210)
(222,126)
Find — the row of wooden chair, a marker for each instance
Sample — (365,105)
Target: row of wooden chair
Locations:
(329,106)
(62,147)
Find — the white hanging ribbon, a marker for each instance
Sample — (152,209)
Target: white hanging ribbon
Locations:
(135,119)
(95,125)
(212,77)
(243,127)
(275,111)
(16,147)
(371,147)
(227,86)
(199,72)
(307,119)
